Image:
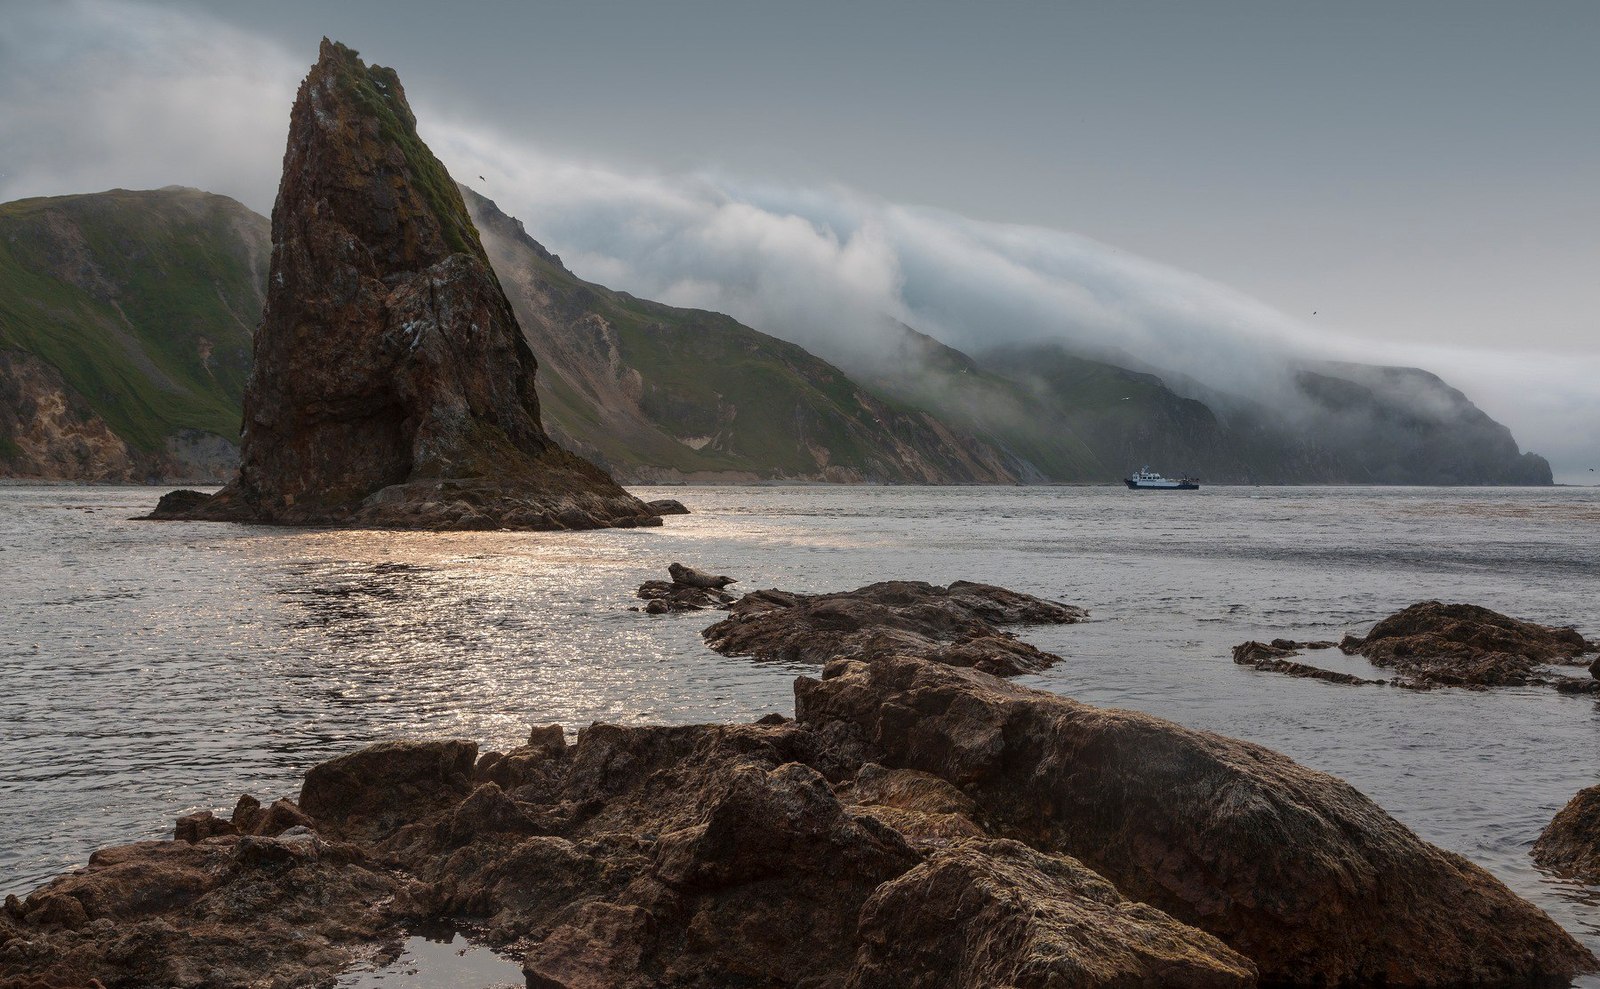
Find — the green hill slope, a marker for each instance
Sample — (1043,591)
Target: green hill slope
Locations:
(654,392)
(126,317)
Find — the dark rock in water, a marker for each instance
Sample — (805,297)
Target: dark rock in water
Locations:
(198,826)
(391,384)
(997,913)
(1465,645)
(1292,644)
(955,625)
(913,825)
(1570,843)
(667,506)
(1271,659)
(689,590)
(1290,867)
(181,503)
(1246,653)
(1574,685)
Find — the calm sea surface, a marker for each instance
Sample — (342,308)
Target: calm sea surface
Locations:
(149,669)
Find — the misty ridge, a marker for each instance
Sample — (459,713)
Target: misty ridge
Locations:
(841,273)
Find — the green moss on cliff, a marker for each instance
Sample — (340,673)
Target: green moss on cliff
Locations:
(144,301)
(377,92)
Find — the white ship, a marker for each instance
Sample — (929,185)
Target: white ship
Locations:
(1144,479)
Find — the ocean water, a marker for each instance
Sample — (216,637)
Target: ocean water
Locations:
(151,669)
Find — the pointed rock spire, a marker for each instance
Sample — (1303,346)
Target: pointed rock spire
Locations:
(391,385)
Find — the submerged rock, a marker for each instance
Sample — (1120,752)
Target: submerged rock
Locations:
(1444,645)
(391,384)
(1272,658)
(1570,843)
(956,625)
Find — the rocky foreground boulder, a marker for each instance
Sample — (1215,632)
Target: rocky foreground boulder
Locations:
(956,625)
(391,384)
(916,825)
(1445,645)
(1570,844)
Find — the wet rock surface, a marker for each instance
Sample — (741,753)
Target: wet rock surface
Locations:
(391,385)
(914,825)
(1273,658)
(1432,645)
(997,913)
(667,506)
(1570,844)
(957,625)
(1292,868)
(688,590)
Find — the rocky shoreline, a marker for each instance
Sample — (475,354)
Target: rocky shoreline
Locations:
(919,822)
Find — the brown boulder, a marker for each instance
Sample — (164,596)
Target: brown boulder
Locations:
(201,825)
(955,625)
(997,913)
(391,385)
(1249,653)
(667,506)
(171,913)
(1290,867)
(376,790)
(1463,645)
(1269,658)
(1570,843)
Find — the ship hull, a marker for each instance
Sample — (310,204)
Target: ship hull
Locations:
(1161,485)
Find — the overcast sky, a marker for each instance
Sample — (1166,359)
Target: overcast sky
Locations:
(1418,174)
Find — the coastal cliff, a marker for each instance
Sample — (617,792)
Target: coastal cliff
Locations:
(391,382)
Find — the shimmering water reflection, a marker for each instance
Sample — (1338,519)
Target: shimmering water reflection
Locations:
(154,668)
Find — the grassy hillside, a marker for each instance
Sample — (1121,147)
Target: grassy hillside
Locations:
(126,318)
(144,302)
(656,391)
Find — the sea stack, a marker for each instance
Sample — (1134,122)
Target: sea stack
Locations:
(391,383)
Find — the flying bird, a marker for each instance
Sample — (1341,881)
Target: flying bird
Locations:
(482,179)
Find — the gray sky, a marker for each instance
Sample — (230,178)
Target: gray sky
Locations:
(1424,170)
(1422,175)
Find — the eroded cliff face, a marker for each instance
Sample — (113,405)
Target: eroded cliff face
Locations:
(49,431)
(391,383)
(45,431)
